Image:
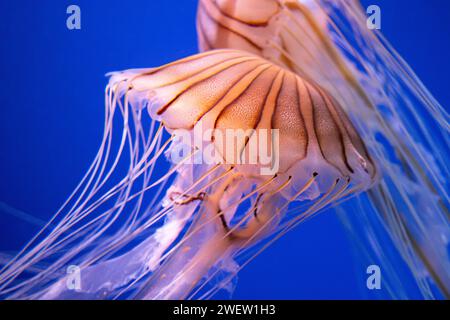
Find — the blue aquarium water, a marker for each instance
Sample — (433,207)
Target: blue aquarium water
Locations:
(52,97)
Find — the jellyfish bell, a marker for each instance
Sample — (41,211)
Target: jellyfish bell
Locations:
(231,89)
(279,30)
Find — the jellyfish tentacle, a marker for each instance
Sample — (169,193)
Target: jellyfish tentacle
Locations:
(264,220)
(171,283)
(9,275)
(313,209)
(88,176)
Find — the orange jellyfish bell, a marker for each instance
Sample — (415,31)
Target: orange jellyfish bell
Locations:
(231,89)
(278,30)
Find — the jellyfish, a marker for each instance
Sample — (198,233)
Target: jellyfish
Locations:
(220,204)
(403,126)
(292,107)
